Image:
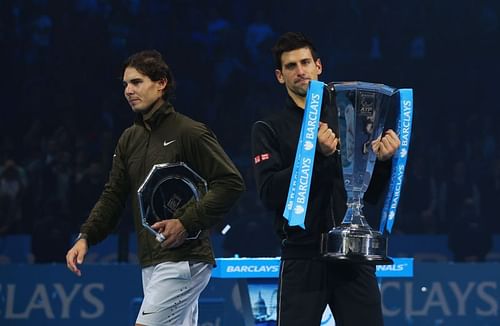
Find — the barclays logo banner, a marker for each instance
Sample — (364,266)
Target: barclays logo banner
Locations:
(246,268)
(402,267)
(48,294)
(269,268)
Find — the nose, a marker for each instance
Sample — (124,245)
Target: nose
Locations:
(300,70)
(129,90)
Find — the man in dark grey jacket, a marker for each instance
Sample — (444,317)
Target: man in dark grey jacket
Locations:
(175,272)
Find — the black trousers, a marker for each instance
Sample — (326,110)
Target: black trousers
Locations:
(307,286)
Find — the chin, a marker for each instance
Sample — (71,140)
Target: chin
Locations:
(138,109)
(301,92)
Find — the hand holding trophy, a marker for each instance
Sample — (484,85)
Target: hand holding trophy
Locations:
(167,188)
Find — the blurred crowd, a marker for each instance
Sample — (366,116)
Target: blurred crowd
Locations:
(63,108)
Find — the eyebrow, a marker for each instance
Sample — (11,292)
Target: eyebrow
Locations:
(133,81)
(294,63)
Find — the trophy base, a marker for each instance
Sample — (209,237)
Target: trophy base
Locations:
(356,244)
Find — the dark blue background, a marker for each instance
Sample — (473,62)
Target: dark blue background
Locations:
(63,109)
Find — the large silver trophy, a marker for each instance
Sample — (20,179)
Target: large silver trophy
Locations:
(167,188)
(362,111)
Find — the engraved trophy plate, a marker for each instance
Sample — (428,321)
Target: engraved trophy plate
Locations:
(167,188)
(362,111)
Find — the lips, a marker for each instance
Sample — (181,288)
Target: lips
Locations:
(133,101)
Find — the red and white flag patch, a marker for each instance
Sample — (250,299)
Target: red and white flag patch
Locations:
(261,157)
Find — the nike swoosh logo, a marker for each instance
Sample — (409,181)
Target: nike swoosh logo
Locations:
(147,313)
(165,143)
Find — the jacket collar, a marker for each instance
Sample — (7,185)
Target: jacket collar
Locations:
(164,110)
(290,105)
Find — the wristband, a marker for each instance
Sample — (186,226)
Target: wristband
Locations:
(81,236)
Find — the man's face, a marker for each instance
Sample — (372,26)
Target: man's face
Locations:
(297,69)
(140,91)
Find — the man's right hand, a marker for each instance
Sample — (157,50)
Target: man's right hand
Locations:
(327,140)
(76,255)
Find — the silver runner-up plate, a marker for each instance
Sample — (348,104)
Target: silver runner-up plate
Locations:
(168,188)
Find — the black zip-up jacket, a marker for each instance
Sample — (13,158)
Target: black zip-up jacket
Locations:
(172,137)
(274,143)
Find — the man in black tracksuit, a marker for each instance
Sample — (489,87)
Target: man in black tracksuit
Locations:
(307,284)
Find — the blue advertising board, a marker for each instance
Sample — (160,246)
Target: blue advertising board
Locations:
(269,268)
(437,294)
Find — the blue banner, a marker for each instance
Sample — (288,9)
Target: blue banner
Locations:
(399,160)
(269,268)
(298,192)
(455,294)
(110,294)
(51,295)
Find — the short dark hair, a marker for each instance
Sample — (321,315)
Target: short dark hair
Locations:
(291,41)
(151,64)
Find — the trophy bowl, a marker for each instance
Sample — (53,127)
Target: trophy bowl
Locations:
(362,111)
(167,188)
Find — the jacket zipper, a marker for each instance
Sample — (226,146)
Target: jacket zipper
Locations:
(144,158)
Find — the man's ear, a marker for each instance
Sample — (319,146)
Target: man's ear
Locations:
(162,84)
(319,66)
(279,76)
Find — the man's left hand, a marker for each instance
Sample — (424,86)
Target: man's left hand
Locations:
(385,146)
(174,232)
